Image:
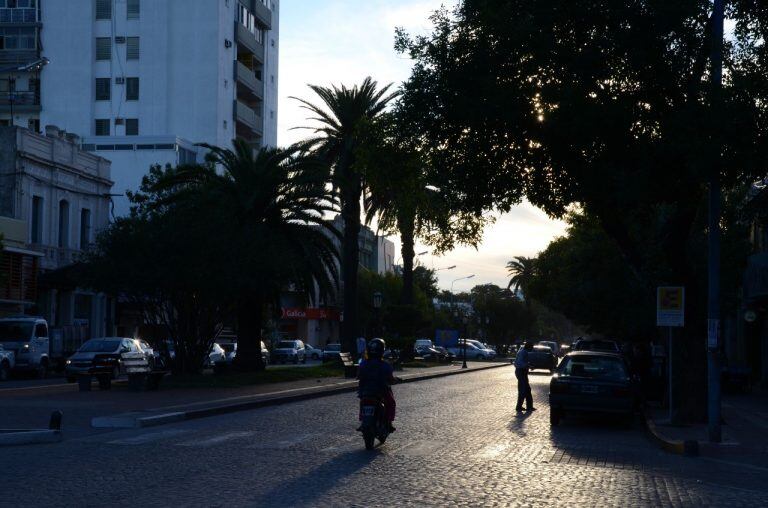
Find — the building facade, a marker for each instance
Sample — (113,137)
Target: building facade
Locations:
(20,63)
(54,199)
(143,81)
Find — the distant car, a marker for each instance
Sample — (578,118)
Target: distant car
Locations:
(289,351)
(542,357)
(450,356)
(313,352)
(431,354)
(593,382)
(473,352)
(102,357)
(215,355)
(551,345)
(422,343)
(331,352)
(564,350)
(266,358)
(602,345)
(230,348)
(155,358)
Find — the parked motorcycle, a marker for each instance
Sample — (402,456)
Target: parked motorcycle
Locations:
(374,421)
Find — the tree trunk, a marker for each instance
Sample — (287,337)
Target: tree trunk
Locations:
(350,212)
(250,314)
(408,254)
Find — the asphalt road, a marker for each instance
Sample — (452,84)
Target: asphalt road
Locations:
(458,443)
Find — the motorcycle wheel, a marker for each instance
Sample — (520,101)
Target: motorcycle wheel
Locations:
(368,437)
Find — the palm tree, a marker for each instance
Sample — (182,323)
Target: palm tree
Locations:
(522,270)
(269,211)
(343,119)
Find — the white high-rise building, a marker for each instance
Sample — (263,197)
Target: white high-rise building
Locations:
(143,81)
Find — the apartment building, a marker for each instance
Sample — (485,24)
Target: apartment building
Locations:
(20,63)
(144,81)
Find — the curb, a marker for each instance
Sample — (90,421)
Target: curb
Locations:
(135,420)
(688,448)
(15,437)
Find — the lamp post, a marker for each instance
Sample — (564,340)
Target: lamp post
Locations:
(453,303)
(377,300)
(464,345)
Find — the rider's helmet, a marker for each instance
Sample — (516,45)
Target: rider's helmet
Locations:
(376,348)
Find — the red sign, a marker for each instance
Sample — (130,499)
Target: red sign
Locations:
(311,313)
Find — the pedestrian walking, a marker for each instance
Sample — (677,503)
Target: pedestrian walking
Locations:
(521,373)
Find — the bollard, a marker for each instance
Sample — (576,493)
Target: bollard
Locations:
(55,423)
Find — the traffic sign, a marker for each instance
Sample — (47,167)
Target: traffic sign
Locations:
(670,306)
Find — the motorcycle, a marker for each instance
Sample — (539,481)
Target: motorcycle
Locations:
(374,421)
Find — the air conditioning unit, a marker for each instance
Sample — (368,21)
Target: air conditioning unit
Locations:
(119,121)
(120,40)
(119,81)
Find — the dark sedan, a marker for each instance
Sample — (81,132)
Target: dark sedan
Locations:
(432,354)
(103,357)
(591,382)
(542,357)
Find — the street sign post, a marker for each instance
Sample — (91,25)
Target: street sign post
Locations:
(670,312)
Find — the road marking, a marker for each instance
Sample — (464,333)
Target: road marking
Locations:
(148,437)
(223,438)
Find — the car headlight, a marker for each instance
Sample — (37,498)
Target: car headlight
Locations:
(69,362)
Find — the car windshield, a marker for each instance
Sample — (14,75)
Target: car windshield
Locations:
(100,346)
(286,344)
(594,367)
(16,331)
(333,347)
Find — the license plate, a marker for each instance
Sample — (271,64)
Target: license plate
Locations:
(589,389)
(368,410)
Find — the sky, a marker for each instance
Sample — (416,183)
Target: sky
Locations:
(342,41)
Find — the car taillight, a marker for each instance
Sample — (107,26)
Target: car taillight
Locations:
(556,387)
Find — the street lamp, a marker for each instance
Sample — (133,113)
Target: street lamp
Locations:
(377,300)
(464,346)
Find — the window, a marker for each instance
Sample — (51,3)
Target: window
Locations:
(63,223)
(134,9)
(132,89)
(103,48)
(34,124)
(37,219)
(15,38)
(85,228)
(132,50)
(41,331)
(103,9)
(102,127)
(103,89)
(131,126)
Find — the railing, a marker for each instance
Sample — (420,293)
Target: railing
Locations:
(19,15)
(20,98)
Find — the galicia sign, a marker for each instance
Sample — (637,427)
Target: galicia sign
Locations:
(310,313)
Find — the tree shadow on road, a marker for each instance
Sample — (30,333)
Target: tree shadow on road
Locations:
(305,489)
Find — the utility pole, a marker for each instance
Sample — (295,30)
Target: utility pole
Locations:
(713,307)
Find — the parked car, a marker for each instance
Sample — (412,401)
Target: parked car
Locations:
(230,348)
(331,352)
(542,357)
(431,354)
(289,351)
(313,352)
(27,337)
(215,355)
(422,343)
(7,360)
(102,357)
(605,346)
(473,352)
(551,345)
(266,358)
(154,356)
(450,356)
(595,382)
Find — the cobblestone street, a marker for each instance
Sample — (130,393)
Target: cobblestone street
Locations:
(459,443)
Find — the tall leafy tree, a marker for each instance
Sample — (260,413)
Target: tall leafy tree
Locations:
(605,105)
(270,211)
(343,119)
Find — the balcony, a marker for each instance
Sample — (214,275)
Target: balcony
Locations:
(248,40)
(247,117)
(21,102)
(263,14)
(247,77)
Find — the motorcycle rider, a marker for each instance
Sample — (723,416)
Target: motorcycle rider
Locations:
(375,378)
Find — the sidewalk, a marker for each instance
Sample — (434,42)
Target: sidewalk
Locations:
(744,431)
(24,408)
